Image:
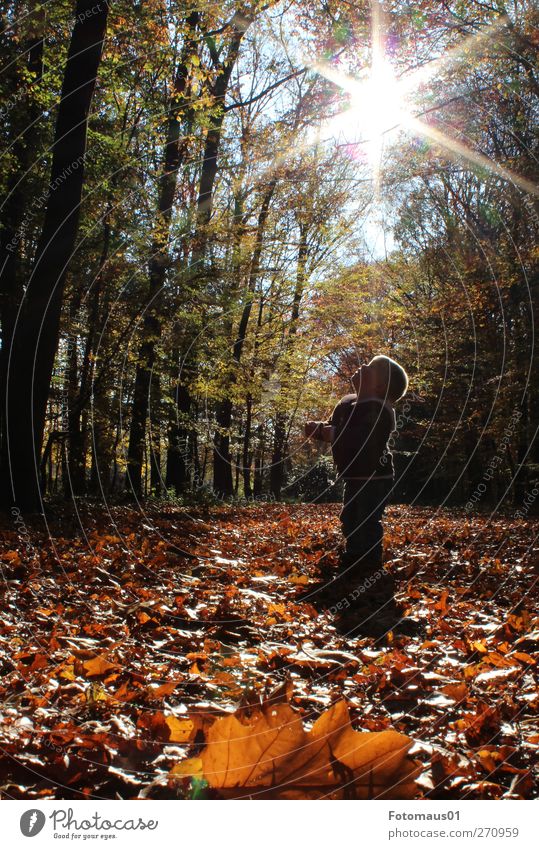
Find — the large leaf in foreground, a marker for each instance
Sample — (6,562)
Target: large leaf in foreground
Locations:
(271,754)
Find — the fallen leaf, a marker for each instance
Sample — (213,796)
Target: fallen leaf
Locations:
(272,754)
(164,690)
(181,730)
(457,692)
(98,666)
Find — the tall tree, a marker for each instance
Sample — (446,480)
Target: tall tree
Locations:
(222,67)
(34,340)
(180,119)
(222,461)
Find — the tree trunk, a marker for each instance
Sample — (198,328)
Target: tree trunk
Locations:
(258,484)
(156,478)
(104,446)
(75,481)
(174,155)
(173,158)
(178,475)
(34,342)
(222,458)
(280,437)
(237,473)
(23,151)
(222,468)
(246,455)
(78,431)
(222,476)
(277,471)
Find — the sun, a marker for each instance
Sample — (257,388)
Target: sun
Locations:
(378,101)
(377,108)
(381,105)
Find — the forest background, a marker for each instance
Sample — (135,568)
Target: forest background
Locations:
(209,220)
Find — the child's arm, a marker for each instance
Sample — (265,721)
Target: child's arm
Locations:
(318,430)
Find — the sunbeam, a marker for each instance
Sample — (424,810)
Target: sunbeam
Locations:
(381,103)
(461,151)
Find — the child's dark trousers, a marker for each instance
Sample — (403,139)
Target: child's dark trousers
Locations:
(361,519)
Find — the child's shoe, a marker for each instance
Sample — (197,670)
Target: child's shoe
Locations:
(372,609)
(377,622)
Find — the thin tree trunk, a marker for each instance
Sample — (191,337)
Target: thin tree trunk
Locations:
(279,455)
(237,472)
(156,479)
(277,471)
(246,454)
(178,475)
(78,438)
(75,480)
(258,485)
(222,468)
(174,155)
(222,458)
(104,446)
(258,454)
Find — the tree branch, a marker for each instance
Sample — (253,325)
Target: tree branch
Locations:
(267,90)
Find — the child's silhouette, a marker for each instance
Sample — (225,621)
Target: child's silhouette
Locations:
(359,430)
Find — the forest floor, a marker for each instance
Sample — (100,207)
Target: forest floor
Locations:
(125,634)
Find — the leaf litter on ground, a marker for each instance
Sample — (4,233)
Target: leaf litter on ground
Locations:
(130,646)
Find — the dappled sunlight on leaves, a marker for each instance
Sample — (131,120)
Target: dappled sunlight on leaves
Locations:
(134,652)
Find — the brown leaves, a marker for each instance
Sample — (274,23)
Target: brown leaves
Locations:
(98,666)
(171,729)
(180,730)
(142,633)
(482,726)
(271,754)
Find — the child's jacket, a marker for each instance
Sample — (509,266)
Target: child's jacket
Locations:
(360,436)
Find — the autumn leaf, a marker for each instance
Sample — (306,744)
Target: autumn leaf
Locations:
(12,557)
(95,693)
(169,728)
(457,692)
(378,760)
(98,666)
(273,755)
(164,689)
(180,730)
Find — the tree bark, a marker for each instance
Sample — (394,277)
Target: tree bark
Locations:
(156,478)
(177,473)
(222,464)
(246,454)
(24,145)
(279,455)
(173,157)
(258,483)
(32,347)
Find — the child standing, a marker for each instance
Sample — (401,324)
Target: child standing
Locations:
(359,431)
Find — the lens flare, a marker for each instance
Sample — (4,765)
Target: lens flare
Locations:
(381,103)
